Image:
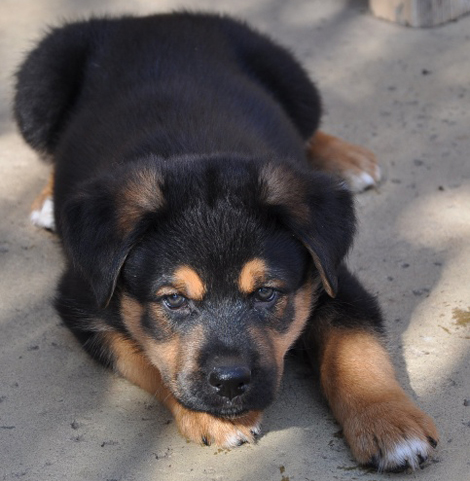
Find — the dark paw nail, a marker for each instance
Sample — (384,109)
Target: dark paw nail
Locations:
(205,441)
(432,441)
(373,462)
(399,468)
(241,442)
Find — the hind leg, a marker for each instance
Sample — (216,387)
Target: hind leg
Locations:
(42,209)
(353,163)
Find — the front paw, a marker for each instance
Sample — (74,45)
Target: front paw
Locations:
(207,429)
(391,435)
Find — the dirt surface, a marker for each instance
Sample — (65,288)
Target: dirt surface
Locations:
(403,93)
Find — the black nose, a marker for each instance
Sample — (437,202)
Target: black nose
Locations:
(230,381)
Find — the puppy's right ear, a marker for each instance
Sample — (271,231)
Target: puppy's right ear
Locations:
(318,210)
(100,225)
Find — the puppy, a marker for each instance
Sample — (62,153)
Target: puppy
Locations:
(202,239)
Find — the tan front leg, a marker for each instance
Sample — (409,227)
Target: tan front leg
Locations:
(353,163)
(381,424)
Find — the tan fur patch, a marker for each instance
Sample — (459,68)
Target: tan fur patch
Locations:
(142,194)
(186,359)
(132,312)
(330,290)
(159,315)
(349,161)
(163,355)
(352,360)
(132,364)
(303,302)
(284,188)
(252,274)
(188,281)
(170,356)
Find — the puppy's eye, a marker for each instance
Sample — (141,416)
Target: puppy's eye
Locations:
(175,301)
(265,294)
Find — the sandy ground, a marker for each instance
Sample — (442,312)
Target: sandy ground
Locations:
(405,94)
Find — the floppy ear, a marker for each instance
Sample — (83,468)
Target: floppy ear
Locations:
(100,224)
(318,210)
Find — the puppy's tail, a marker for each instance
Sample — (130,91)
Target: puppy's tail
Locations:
(49,83)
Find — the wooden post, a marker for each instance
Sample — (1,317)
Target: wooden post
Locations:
(419,13)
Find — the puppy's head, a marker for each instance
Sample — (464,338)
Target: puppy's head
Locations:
(215,265)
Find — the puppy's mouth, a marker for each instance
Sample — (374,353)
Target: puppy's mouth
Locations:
(227,409)
(198,395)
(228,413)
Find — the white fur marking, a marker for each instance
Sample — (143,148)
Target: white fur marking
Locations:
(411,451)
(235,439)
(45,216)
(360,182)
(256,429)
(366,179)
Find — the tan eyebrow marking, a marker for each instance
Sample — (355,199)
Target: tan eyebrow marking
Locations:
(166,291)
(188,281)
(253,272)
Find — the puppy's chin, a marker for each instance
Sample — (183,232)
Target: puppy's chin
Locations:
(228,413)
(223,407)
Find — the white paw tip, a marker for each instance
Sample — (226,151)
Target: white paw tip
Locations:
(256,430)
(45,216)
(410,452)
(361,181)
(240,438)
(366,179)
(236,440)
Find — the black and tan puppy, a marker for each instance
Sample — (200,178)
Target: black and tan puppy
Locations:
(201,239)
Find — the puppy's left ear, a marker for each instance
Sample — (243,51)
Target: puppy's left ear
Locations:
(318,210)
(100,225)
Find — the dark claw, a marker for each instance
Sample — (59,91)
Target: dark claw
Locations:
(241,442)
(400,468)
(375,462)
(432,441)
(422,458)
(205,441)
